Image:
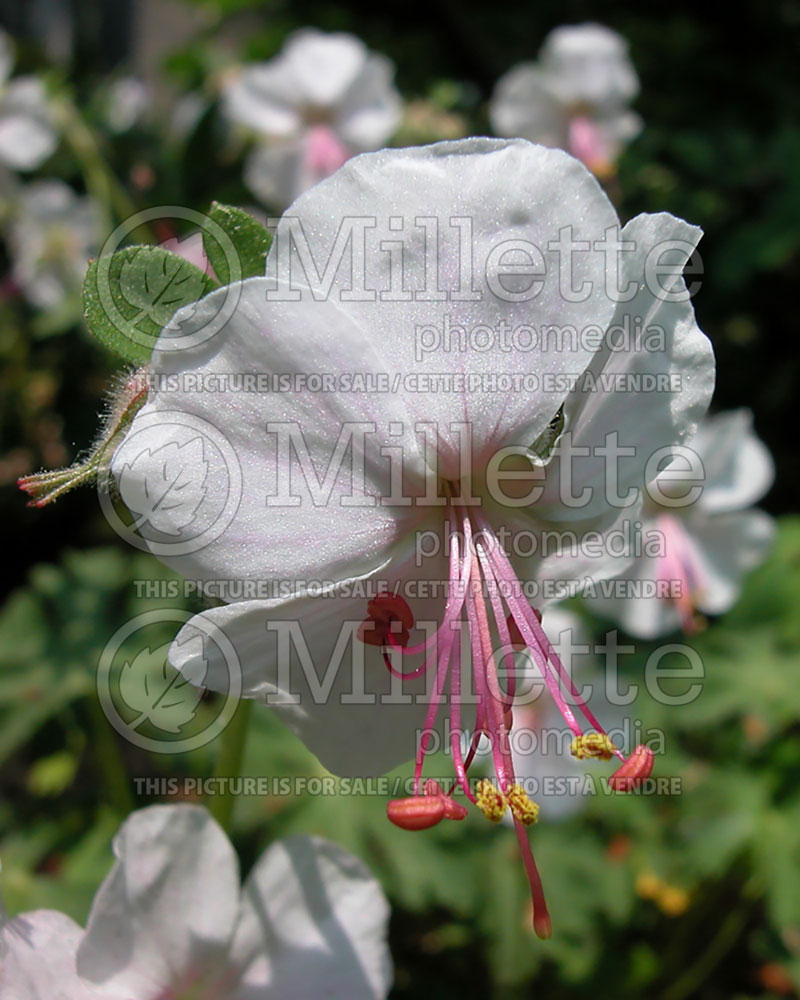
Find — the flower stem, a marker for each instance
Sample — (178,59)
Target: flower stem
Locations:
(109,762)
(229,764)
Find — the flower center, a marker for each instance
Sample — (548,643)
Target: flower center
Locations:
(484,592)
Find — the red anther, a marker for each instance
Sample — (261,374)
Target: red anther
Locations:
(636,769)
(452,809)
(382,610)
(508,719)
(420,812)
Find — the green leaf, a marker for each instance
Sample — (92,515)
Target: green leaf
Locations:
(130,296)
(235,243)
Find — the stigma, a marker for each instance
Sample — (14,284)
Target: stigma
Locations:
(486,599)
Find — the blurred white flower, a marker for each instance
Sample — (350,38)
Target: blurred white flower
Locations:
(126,100)
(707,546)
(52,237)
(322,99)
(170,921)
(27,136)
(575,97)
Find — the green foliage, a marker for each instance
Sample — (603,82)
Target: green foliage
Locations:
(235,244)
(130,296)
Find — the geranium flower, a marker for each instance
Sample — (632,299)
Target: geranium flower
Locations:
(320,100)
(576,97)
(705,547)
(170,922)
(52,235)
(411,529)
(27,136)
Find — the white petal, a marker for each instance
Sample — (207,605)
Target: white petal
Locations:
(522,105)
(219,504)
(38,959)
(323,65)
(313,924)
(510,190)
(726,547)
(303,659)
(264,97)
(643,617)
(589,63)
(27,137)
(738,467)
(371,109)
(274,171)
(165,914)
(610,403)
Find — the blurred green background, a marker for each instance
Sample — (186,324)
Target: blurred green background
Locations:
(693,896)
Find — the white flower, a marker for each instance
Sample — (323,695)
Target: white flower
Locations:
(52,237)
(126,101)
(170,922)
(416,447)
(576,97)
(320,100)
(27,136)
(702,550)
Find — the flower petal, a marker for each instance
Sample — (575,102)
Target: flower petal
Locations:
(38,959)
(726,546)
(506,191)
(657,340)
(589,63)
(27,136)
(313,923)
(371,109)
(199,462)
(738,467)
(522,105)
(264,97)
(165,914)
(324,66)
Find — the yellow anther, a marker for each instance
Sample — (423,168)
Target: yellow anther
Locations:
(490,800)
(522,807)
(592,745)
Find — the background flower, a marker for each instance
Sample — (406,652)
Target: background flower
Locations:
(169,920)
(27,136)
(576,96)
(52,236)
(708,545)
(322,99)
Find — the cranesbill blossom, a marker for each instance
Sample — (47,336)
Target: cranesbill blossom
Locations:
(170,922)
(424,447)
(27,136)
(707,538)
(320,100)
(52,235)
(575,97)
